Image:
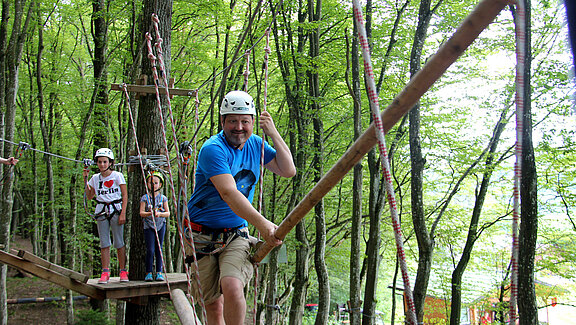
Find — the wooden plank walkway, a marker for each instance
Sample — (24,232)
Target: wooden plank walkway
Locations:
(132,290)
(124,290)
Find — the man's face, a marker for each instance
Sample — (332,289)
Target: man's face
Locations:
(237,128)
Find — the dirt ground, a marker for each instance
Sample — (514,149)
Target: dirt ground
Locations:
(27,286)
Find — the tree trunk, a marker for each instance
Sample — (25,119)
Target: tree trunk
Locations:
(10,56)
(323,312)
(528,233)
(356,232)
(457,274)
(301,275)
(46,139)
(425,240)
(149,136)
(294,87)
(271,295)
(101,110)
(376,201)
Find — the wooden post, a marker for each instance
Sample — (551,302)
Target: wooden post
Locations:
(471,27)
(183,308)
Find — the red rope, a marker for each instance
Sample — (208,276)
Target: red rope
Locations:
(374,105)
(152,58)
(520,28)
(261,188)
(125,89)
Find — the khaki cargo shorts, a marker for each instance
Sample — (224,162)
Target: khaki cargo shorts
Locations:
(233,261)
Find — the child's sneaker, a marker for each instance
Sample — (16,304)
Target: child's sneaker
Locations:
(160,276)
(104,278)
(149,277)
(124,276)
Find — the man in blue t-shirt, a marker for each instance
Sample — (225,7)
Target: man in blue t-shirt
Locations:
(221,206)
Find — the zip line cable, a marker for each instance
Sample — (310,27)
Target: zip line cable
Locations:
(27,146)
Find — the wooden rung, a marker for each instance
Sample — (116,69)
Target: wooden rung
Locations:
(56,268)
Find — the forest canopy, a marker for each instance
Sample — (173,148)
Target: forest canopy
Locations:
(60,59)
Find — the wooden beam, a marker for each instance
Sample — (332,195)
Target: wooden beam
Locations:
(471,27)
(50,275)
(56,268)
(183,308)
(150,89)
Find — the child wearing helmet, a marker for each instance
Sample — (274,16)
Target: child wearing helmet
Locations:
(154,210)
(108,187)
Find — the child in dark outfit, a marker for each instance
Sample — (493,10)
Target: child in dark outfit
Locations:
(154,211)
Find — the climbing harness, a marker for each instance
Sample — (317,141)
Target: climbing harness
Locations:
(219,238)
(109,210)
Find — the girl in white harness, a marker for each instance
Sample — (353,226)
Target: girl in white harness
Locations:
(109,189)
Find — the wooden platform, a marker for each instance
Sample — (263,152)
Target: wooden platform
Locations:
(134,291)
(124,290)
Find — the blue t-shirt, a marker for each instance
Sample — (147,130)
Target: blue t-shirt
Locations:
(217,157)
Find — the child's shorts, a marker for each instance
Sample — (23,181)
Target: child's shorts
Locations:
(104,227)
(233,261)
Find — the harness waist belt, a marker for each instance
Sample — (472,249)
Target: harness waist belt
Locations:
(108,203)
(209,231)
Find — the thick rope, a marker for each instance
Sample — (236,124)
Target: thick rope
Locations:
(125,89)
(373,96)
(261,185)
(159,104)
(520,29)
(247,70)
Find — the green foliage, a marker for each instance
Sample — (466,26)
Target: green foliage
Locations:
(458,116)
(90,316)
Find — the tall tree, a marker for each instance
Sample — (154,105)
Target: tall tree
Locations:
(528,234)
(45,126)
(314,16)
(150,136)
(488,157)
(425,239)
(294,76)
(356,232)
(10,56)
(99,27)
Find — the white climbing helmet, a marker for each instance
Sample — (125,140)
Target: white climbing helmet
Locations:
(237,102)
(104,152)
